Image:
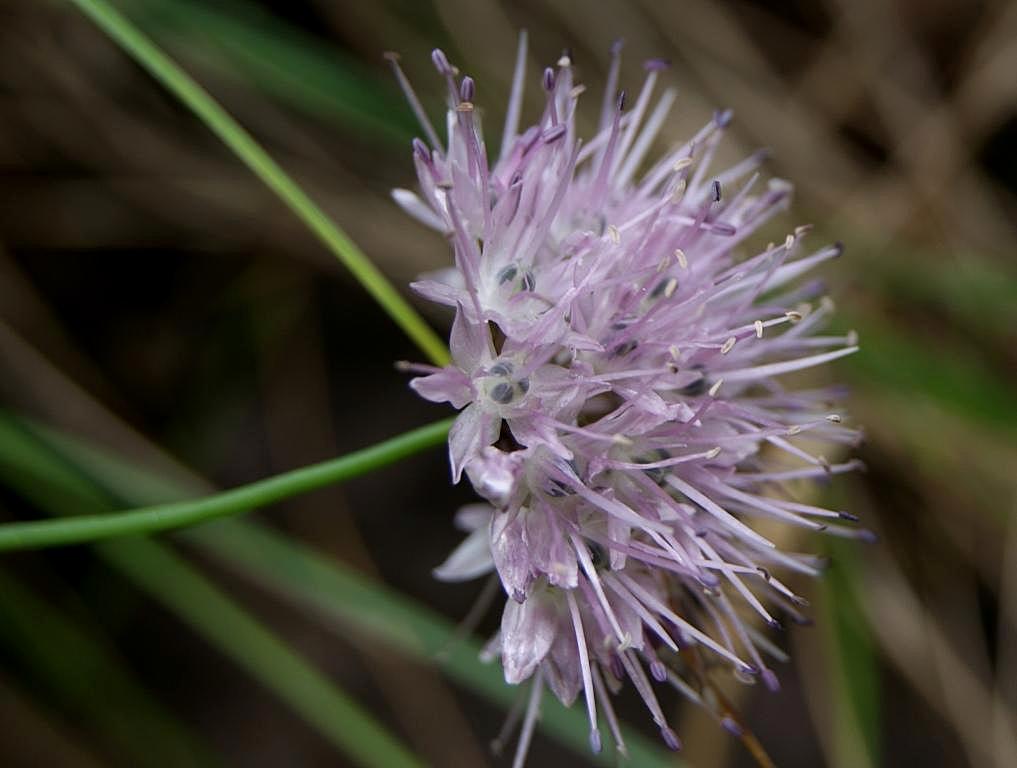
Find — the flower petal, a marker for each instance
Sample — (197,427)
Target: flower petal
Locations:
(527,631)
(447,385)
(511,553)
(470,432)
(472,558)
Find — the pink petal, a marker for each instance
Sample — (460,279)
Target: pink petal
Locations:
(472,430)
(511,553)
(527,631)
(447,385)
(472,558)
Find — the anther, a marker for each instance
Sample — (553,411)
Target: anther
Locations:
(502,393)
(670,739)
(716,387)
(549,79)
(730,725)
(728,345)
(421,149)
(440,61)
(683,261)
(758,325)
(658,670)
(552,135)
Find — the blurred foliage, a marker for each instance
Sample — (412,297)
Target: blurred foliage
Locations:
(141,264)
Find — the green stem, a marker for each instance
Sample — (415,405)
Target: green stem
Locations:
(34,470)
(162,517)
(198,100)
(169,578)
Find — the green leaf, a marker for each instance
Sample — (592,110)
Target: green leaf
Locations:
(346,599)
(243,145)
(65,661)
(55,484)
(240,38)
(854,684)
(945,373)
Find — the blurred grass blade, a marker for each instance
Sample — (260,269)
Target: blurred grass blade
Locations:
(169,578)
(346,599)
(43,477)
(854,682)
(198,100)
(349,600)
(945,373)
(65,662)
(163,517)
(243,38)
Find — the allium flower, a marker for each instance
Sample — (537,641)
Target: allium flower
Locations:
(618,354)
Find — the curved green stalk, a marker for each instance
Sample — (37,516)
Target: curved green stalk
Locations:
(347,601)
(162,517)
(32,469)
(243,145)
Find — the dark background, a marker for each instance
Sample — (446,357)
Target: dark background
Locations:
(142,264)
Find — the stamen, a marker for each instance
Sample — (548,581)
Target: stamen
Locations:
(511,129)
(410,95)
(584,668)
(532,713)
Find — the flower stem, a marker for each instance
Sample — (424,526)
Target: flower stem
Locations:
(243,145)
(162,517)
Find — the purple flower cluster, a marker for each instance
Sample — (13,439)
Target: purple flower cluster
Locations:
(618,356)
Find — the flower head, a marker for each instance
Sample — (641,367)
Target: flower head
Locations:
(619,354)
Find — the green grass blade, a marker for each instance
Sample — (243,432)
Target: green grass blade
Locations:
(348,600)
(240,38)
(198,100)
(854,681)
(181,588)
(39,474)
(163,517)
(946,374)
(65,660)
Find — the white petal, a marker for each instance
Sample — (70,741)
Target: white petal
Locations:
(447,385)
(527,631)
(472,430)
(472,558)
(473,516)
(419,210)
